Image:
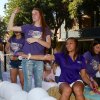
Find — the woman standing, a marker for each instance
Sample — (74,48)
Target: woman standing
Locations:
(73,71)
(13,47)
(37,38)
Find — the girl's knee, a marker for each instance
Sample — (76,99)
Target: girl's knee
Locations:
(78,90)
(67,91)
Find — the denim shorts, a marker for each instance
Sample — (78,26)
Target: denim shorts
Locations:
(16,64)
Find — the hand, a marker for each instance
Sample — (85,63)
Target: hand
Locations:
(93,84)
(48,57)
(17,10)
(23,55)
(13,58)
(32,40)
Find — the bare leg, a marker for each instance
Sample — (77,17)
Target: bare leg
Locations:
(13,75)
(78,89)
(65,91)
(21,77)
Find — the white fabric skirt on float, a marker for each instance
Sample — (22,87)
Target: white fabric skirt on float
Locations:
(2,98)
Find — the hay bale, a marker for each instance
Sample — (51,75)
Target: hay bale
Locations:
(54,91)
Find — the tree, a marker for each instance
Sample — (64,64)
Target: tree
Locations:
(2,28)
(24,16)
(73,7)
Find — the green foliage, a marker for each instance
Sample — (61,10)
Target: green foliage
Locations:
(2,28)
(25,14)
(64,10)
(73,7)
(48,7)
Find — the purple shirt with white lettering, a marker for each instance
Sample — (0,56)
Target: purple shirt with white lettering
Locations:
(36,32)
(16,45)
(92,63)
(69,69)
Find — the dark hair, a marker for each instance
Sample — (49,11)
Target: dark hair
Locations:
(43,22)
(13,36)
(95,42)
(76,48)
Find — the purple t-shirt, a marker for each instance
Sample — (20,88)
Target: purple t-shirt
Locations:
(16,45)
(92,63)
(69,69)
(36,32)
